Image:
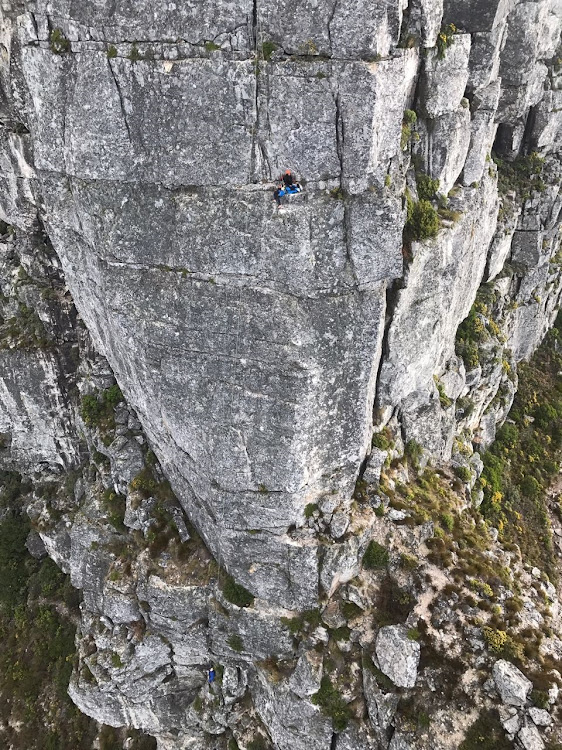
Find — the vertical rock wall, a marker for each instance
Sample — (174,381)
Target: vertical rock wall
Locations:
(254,346)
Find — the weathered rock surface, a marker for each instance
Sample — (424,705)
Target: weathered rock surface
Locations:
(258,349)
(511,683)
(398,656)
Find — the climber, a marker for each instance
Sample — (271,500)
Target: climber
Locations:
(211,674)
(288,178)
(286,186)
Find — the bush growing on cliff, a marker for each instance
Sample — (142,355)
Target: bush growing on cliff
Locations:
(408,121)
(58,43)
(236,594)
(332,704)
(376,556)
(522,175)
(445,39)
(422,220)
(97,409)
(427,186)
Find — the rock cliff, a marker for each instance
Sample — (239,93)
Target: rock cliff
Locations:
(204,389)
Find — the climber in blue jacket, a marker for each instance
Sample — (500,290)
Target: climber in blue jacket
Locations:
(286,185)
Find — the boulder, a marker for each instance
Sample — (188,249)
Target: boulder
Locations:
(511,683)
(540,717)
(529,738)
(398,656)
(374,465)
(306,678)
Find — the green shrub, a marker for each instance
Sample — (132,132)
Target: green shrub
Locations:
(427,186)
(463,473)
(98,410)
(350,610)
(211,47)
(309,509)
(235,642)
(507,436)
(235,593)
(307,620)
(545,416)
(445,39)
(112,396)
(408,121)
(447,521)
(530,487)
(13,575)
(332,704)
(502,644)
(376,556)
(539,698)
(111,52)
(381,440)
(58,43)
(258,743)
(267,49)
(522,175)
(408,562)
(413,451)
(422,220)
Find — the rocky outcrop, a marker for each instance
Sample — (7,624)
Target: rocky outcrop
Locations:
(398,656)
(195,381)
(512,685)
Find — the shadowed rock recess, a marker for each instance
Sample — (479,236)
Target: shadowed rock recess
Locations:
(218,404)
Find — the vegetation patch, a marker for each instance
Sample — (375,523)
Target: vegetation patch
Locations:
(306,621)
(445,39)
(211,46)
(422,220)
(486,734)
(427,186)
(524,460)
(235,593)
(24,330)
(267,49)
(376,556)
(522,175)
(332,704)
(97,410)
(408,121)
(58,43)
(236,643)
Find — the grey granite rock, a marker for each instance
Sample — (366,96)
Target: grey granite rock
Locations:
(529,738)
(511,683)
(305,680)
(398,656)
(250,344)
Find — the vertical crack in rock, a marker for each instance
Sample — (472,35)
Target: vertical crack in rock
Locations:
(121,101)
(329,26)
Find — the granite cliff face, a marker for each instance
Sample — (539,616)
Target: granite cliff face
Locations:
(259,351)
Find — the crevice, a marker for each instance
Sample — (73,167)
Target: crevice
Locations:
(329,25)
(121,102)
(528,142)
(392,296)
